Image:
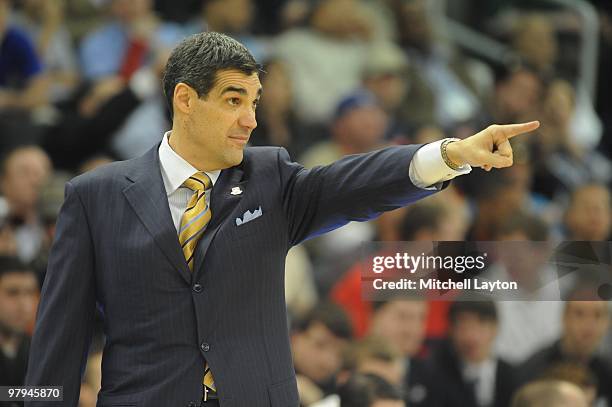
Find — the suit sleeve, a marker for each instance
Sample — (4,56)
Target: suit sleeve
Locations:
(355,188)
(64,321)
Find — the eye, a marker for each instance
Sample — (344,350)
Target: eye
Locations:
(234,101)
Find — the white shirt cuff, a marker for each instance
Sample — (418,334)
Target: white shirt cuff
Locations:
(427,168)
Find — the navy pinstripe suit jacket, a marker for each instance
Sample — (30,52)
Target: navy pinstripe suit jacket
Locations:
(116,244)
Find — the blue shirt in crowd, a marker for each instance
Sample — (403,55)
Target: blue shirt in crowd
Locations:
(18,59)
(102,51)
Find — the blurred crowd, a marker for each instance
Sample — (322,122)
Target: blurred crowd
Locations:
(80,87)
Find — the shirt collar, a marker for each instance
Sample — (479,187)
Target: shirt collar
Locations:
(175,169)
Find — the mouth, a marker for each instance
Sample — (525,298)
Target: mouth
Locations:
(240,140)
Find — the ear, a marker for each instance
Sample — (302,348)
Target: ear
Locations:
(183,98)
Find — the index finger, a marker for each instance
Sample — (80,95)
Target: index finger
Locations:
(512,130)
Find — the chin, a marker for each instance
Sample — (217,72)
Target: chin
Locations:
(235,159)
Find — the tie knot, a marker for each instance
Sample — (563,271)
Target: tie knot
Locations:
(198,182)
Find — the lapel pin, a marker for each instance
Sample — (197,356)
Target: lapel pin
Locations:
(236,191)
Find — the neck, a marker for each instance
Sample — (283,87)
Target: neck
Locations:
(180,142)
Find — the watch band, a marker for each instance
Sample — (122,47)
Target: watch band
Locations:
(444,153)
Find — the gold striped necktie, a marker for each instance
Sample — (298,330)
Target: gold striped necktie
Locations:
(196,216)
(193,223)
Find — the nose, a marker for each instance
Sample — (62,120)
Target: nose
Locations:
(248,120)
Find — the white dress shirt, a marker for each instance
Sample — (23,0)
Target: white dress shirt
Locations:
(175,170)
(483,376)
(427,169)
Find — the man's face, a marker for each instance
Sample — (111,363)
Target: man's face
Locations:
(389,88)
(520,95)
(221,123)
(473,337)
(362,129)
(589,217)
(317,353)
(24,174)
(402,322)
(17,300)
(585,323)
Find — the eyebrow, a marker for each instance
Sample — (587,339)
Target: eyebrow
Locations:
(242,91)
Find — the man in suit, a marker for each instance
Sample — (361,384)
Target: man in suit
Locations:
(584,325)
(189,297)
(468,372)
(18,292)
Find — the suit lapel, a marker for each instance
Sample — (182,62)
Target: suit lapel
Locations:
(149,200)
(222,203)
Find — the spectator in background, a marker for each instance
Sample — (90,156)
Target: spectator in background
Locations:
(564,163)
(359,126)
(18,297)
(326,57)
(379,356)
(121,119)
(233,18)
(468,372)
(23,86)
(584,325)
(497,196)
(431,221)
(402,323)
(369,356)
(452,86)
(385,76)
(369,391)
(23,172)
(436,220)
(525,326)
(518,94)
(588,215)
(277,123)
(535,40)
(133,38)
(318,341)
(549,393)
(389,77)
(426,221)
(43,20)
